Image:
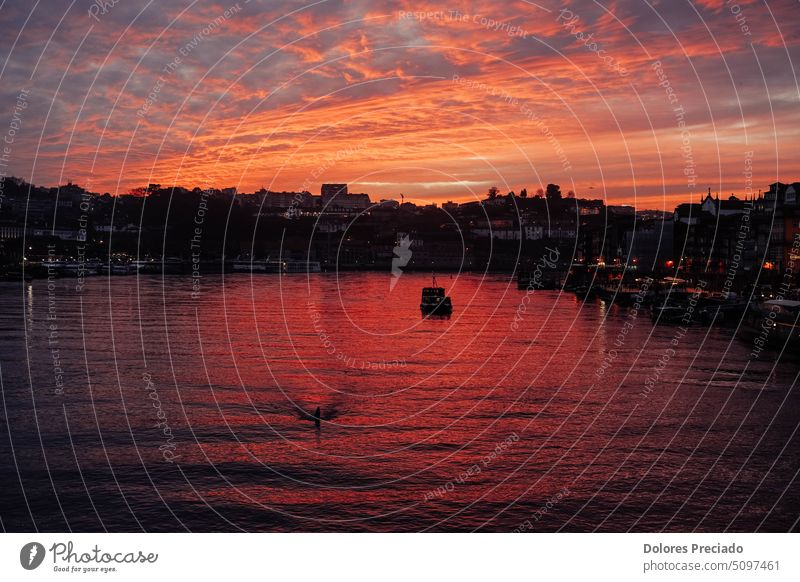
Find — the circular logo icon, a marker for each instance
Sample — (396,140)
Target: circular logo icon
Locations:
(31,555)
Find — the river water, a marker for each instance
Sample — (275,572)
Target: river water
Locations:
(136,404)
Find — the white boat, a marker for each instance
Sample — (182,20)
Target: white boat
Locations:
(151,265)
(257,266)
(272,266)
(777,321)
(71,268)
(121,268)
(301,267)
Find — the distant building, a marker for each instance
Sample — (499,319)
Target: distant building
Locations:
(622,210)
(533,232)
(348,202)
(62,233)
(715,206)
(285,200)
(590,207)
(10,230)
(777,225)
(335,198)
(440,251)
(331,223)
(687,213)
(500,229)
(649,245)
(331,191)
(70,195)
(712,235)
(653,215)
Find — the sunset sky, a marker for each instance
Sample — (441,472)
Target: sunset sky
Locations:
(288,95)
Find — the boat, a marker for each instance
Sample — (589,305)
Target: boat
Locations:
(301,267)
(257,266)
(122,269)
(723,309)
(287,266)
(434,301)
(584,292)
(671,289)
(669,313)
(168,265)
(15,275)
(524,279)
(118,268)
(777,321)
(621,294)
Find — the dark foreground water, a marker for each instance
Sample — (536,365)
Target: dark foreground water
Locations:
(176,413)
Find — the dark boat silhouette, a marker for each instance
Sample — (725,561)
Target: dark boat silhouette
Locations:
(776,320)
(669,313)
(434,301)
(584,292)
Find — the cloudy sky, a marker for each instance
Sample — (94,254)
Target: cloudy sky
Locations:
(640,101)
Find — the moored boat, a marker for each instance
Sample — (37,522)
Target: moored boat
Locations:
(286,266)
(776,322)
(257,266)
(669,313)
(168,265)
(622,294)
(301,267)
(585,292)
(720,309)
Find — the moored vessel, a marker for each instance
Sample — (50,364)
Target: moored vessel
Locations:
(775,322)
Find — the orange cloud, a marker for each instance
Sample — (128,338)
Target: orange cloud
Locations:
(434,105)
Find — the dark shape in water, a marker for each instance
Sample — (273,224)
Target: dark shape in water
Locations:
(723,310)
(316,417)
(434,301)
(585,292)
(777,321)
(670,313)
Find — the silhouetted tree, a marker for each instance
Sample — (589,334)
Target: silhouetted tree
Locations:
(139,192)
(493,192)
(553,192)
(523,193)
